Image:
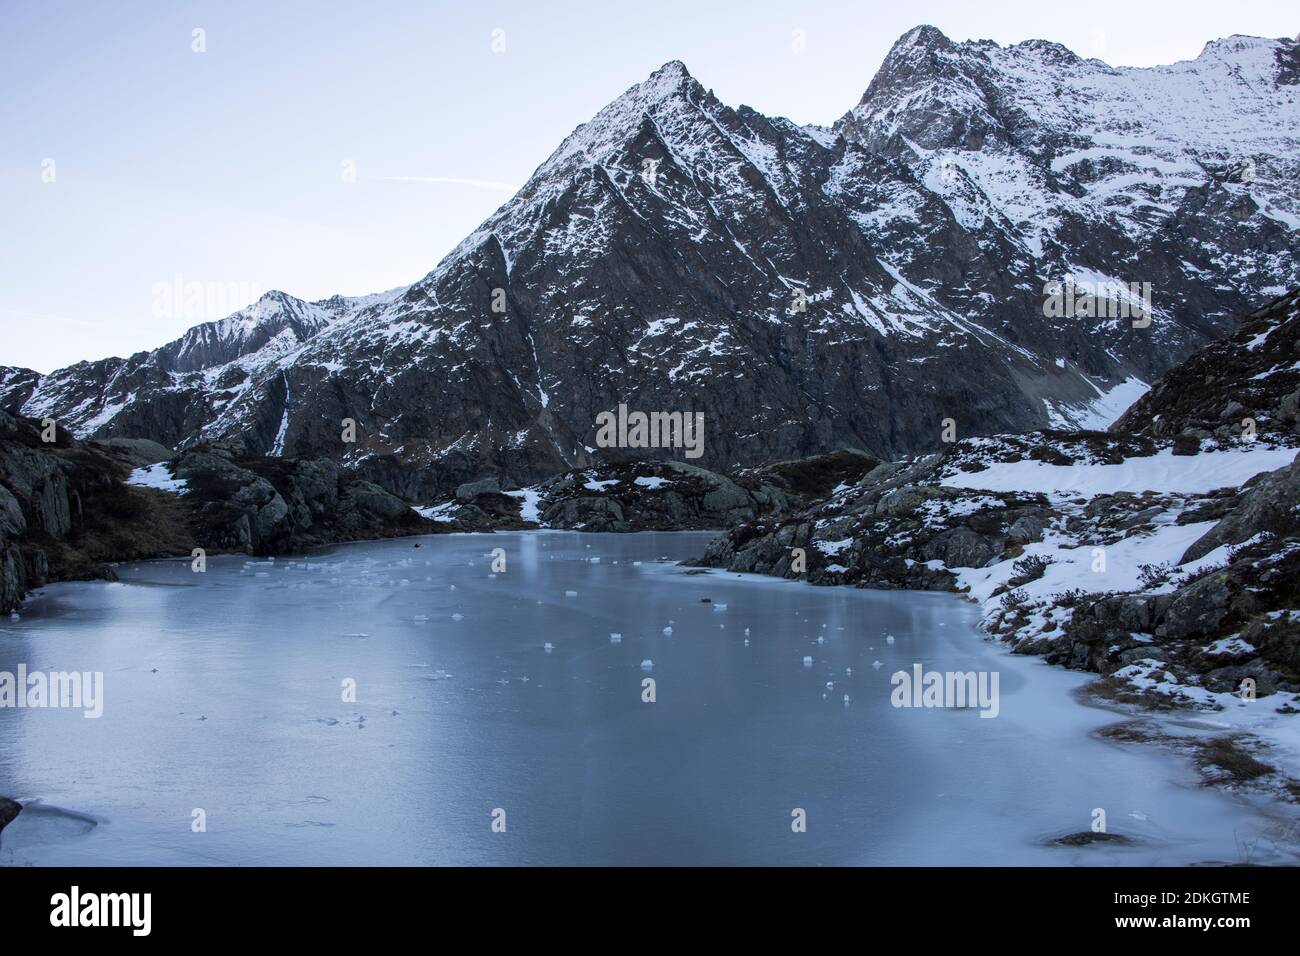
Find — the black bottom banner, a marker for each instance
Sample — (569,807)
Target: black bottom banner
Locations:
(333,905)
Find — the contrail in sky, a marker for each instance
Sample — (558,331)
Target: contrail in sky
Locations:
(481,183)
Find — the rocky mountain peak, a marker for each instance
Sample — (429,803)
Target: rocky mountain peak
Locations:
(1240,45)
(803,290)
(669,90)
(919,39)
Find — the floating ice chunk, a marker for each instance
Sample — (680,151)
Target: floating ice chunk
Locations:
(889,639)
(747,632)
(719,607)
(848,671)
(421,618)
(876,664)
(636,564)
(807,662)
(668,631)
(615,638)
(830,685)
(569,594)
(594,560)
(820,639)
(458,617)
(846,698)
(548,647)
(647,664)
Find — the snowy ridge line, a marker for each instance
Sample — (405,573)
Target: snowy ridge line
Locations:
(808,270)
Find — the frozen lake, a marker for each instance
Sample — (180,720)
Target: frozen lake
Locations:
(224,693)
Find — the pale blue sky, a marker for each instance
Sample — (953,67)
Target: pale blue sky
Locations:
(225,166)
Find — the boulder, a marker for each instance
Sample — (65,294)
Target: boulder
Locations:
(472,489)
(1268,506)
(375,501)
(9,810)
(963,548)
(1026,529)
(1198,609)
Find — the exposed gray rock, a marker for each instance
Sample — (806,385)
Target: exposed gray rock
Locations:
(137,452)
(66,512)
(1026,529)
(1270,505)
(471,489)
(9,810)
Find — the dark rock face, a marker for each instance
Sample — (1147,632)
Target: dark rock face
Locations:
(673,495)
(52,494)
(883,531)
(66,511)
(16,386)
(1267,507)
(805,289)
(653,495)
(1251,376)
(274,505)
(9,810)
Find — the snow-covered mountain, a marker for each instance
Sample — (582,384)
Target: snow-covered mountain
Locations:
(805,288)
(173,393)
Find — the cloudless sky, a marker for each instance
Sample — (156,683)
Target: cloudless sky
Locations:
(225,167)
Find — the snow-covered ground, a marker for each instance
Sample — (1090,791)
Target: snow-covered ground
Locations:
(528,506)
(1098,414)
(1163,471)
(1074,564)
(158,476)
(440,512)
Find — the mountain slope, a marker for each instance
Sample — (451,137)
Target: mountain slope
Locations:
(804,288)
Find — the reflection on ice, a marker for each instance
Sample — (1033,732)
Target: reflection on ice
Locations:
(223,695)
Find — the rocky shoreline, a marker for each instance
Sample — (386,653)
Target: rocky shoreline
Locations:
(1163,555)
(70,509)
